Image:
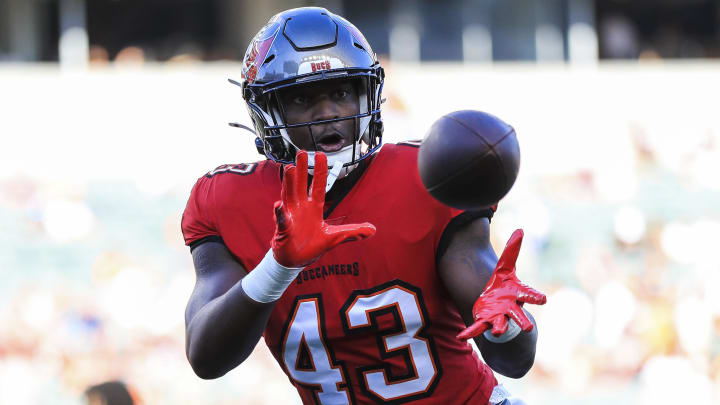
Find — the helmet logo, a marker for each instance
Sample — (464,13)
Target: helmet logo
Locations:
(316,63)
(257,51)
(320,65)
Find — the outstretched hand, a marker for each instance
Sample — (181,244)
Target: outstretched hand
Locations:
(301,234)
(504,296)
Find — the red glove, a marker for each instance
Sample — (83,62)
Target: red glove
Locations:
(504,296)
(301,235)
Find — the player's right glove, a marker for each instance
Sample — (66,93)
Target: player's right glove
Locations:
(301,234)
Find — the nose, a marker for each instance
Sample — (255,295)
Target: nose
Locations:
(325,108)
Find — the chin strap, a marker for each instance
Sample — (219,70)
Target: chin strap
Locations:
(333,174)
(336,162)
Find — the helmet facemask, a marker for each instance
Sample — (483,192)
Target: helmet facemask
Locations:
(301,46)
(277,142)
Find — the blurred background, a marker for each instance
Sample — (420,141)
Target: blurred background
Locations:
(111,109)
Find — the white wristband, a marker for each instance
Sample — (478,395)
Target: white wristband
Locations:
(269,280)
(510,334)
(498,395)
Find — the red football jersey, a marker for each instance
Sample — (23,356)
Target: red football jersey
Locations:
(369,321)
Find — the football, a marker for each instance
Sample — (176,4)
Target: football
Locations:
(469,159)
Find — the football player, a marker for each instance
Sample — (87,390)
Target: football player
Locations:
(361,284)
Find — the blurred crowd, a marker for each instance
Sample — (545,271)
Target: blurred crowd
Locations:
(622,38)
(95,281)
(633,315)
(137,56)
(95,276)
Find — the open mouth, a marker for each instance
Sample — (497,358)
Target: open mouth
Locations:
(330,143)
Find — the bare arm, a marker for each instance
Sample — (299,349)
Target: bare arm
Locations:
(465,269)
(222,324)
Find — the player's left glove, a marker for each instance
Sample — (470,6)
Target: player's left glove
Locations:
(503,298)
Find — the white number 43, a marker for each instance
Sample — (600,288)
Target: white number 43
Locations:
(310,363)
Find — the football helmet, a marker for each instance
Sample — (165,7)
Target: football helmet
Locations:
(306,45)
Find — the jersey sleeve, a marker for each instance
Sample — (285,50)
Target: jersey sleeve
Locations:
(473,214)
(459,220)
(198,220)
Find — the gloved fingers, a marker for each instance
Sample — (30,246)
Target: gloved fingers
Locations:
(301,176)
(499,325)
(287,191)
(518,315)
(506,263)
(280,219)
(530,295)
(319,177)
(476,329)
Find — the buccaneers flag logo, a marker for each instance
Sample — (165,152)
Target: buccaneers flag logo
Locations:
(258,49)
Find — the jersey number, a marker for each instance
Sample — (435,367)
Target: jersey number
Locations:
(242,169)
(310,362)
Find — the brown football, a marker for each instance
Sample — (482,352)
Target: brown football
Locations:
(469,159)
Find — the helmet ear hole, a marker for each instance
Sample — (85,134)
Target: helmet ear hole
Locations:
(260,146)
(280,148)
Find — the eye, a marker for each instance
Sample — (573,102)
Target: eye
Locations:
(299,100)
(342,94)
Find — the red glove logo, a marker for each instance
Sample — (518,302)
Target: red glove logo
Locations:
(504,296)
(301,234)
